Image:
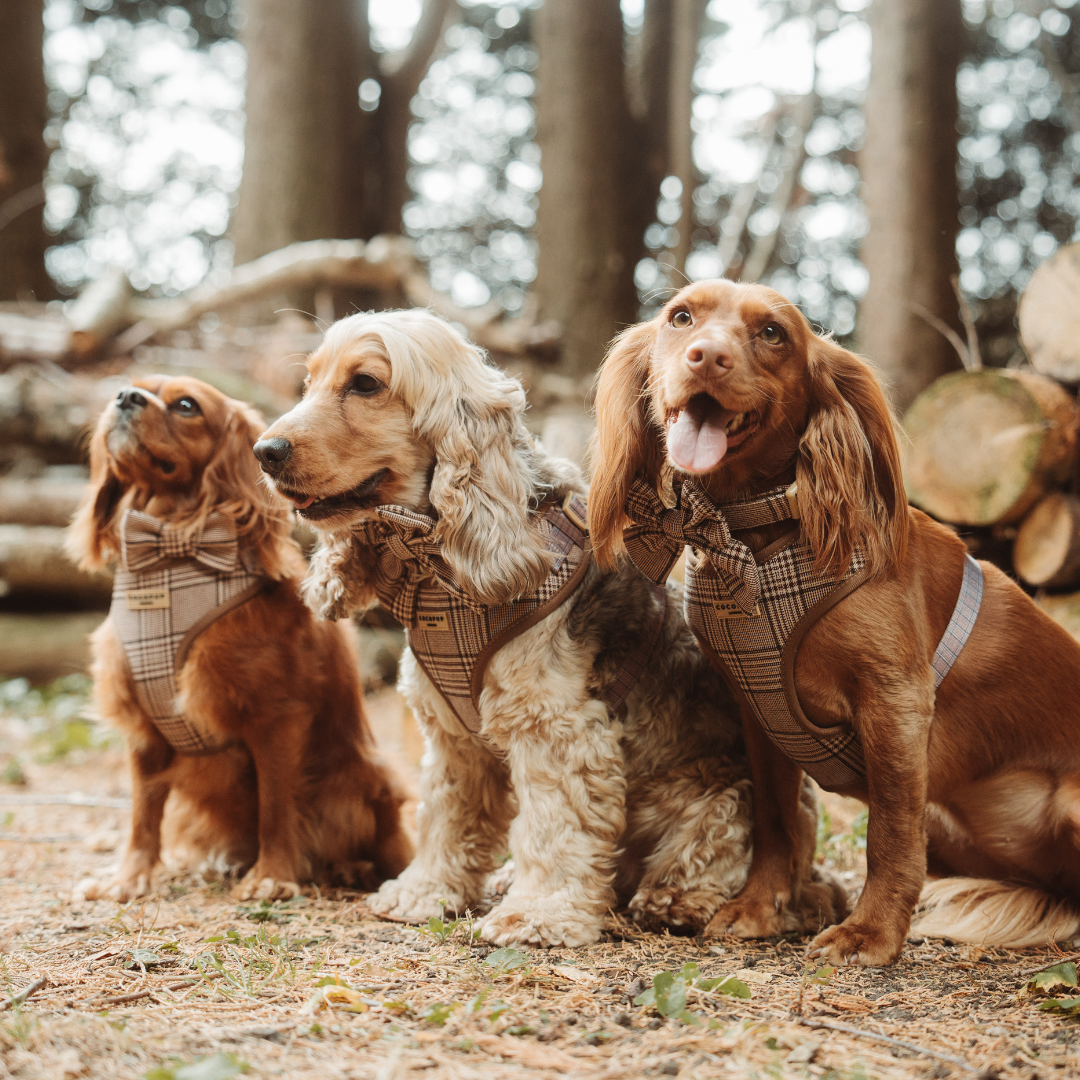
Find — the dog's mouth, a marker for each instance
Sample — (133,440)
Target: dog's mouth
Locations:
(315,508)
(703,431)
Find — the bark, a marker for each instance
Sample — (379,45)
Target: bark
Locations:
(39,502)
(585,227)
(23,154)
(908,166)
(304,122)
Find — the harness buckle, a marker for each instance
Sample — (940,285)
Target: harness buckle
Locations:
(571,513)
(792,496)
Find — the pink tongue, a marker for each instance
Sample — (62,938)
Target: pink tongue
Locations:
(303,504)
(697,442)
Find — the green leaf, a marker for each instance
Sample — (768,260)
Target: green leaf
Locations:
(331,980)
(689,1018)
(218,1067)
(497,1010)
(734,987)
(145,957)
(521,1029)
(690,972)
(397,1006)
(440,1012)
(823,975)
(1061,975)
(646,997)
(504,960)
(1066,1005)
(670,992)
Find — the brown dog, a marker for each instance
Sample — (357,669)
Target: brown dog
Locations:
(729,390)
(253,729)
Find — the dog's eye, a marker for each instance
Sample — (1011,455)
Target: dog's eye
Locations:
(772,334)
(186,406)
(681,319)
(364,385)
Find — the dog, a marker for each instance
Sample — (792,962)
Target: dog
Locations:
(247,740)
(728,396)
(410,455)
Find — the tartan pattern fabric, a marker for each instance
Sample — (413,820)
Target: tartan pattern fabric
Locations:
(745,613)
(962,622)
(448,631)
(189,595)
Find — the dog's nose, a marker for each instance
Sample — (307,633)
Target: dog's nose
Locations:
(273,453)
(708,354)
(130,398)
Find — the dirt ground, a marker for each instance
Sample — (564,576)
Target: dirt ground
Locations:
(191,985)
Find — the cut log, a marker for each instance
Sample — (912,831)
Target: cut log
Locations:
(101,311)
(1047,549)
(985,446)
(33,563)
(42,647)
(1064,609)
(1049,326)
(39,502)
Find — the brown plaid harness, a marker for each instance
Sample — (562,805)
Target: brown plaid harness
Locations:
(168,589)
(750,612)
(453,636)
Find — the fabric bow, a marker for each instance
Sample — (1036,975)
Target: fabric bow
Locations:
(658,534)
(409,537)
(146,541)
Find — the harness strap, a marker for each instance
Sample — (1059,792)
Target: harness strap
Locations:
(962,622)
(638,658)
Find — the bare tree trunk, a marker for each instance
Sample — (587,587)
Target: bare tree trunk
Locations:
(585,269)
(908,165)
(304,124)
(23,154)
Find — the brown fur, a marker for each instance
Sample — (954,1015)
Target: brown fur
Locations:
(988,767)
(303,794)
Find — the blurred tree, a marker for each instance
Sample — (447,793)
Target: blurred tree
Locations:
(23,154)
(327,122)
(604,125)
(908,164)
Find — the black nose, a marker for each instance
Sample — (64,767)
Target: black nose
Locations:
(273,453)
(130,398)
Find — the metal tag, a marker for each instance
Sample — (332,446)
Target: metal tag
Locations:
(147,599)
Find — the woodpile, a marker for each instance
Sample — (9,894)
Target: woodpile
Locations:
(995,451)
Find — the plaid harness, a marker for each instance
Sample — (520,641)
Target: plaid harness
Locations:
(751,612)
(453,636)
(168,589)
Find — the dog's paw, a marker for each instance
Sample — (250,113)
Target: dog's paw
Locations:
(257,886)
(665,906)
(856,943)
(540,922)
(120,889)
(822,902)
(415,898)
(748,919)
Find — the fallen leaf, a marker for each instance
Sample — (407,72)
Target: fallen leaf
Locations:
(754,977)
(574,974)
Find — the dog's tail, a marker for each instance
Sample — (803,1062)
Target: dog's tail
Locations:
(986,912)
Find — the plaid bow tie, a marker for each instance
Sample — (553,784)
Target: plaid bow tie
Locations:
(658,534)
(409,538)
(146,541)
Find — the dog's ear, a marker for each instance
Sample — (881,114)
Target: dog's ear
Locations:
(627,442)
(338,580)
(232,485)
(91,539)
(482,483)
(851,486)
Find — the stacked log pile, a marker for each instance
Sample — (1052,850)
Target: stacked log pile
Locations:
(995,451)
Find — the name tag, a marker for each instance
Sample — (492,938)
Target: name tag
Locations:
(145,599)
(432,621)
(729,609)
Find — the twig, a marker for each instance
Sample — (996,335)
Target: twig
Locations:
(968,319)
(1050,964)
(943,328)
(22,995)
(124,998)
(913,1047)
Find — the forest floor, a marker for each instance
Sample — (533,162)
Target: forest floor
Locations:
(189,984)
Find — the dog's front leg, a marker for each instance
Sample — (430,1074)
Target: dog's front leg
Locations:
(462,819)
(568,777)
(896,765)
(783,843)
(277,749)
(149,756)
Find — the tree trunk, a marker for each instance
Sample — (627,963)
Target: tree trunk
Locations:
(23,154)
(585,230)
(304,124)
(908,165)
(986,445)
(1047,549)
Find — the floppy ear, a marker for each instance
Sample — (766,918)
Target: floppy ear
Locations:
(482,485)
(626,444)
(90,539)
(232,484)
(851,487)
(338,580)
